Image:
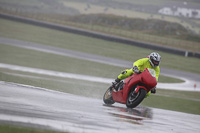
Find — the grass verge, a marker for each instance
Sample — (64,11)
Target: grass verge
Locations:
(180,104)
(31,58)
(18,129)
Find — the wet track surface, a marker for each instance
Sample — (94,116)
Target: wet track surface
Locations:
(65,112)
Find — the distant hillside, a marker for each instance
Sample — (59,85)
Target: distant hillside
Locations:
(38,6)
(150,26)
(182,10)
(144,9)
(150,6)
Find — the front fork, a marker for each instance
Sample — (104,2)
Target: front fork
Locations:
(118,86)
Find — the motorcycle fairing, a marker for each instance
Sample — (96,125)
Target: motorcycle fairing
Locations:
(121,96)
(139,87)
(134,81)
(118,96)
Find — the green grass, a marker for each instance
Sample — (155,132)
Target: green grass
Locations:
(65,40)
(18,129)
(180,94)
(25,2)
(181,101)
(30,58)
(165,79)
(77,87)
(174,103)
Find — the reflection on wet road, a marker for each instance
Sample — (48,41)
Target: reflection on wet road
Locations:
(65,112)
(135,116)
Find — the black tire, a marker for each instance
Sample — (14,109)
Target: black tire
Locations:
(107,98)
(134,100)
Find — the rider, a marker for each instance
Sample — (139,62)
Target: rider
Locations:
(152,61)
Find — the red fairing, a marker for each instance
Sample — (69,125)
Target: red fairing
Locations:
(149,81)
(144,80)
(133,80)
(118,96)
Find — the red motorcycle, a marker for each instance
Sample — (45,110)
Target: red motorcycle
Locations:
(132,90)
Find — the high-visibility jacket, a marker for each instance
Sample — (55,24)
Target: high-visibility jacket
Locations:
(141,64)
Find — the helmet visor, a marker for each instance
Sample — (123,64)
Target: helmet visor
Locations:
(156,63)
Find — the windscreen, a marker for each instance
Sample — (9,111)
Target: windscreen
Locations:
(152,72)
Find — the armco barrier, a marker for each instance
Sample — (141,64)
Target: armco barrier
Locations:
(100,35)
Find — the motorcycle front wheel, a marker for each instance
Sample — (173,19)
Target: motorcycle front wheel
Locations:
(107,98)
(134,99)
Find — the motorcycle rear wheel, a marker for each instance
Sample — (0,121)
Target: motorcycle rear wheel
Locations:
(107,98)
(134,100)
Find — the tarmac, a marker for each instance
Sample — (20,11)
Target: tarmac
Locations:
(36,107)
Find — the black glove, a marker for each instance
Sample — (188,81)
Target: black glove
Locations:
(153,90)
(136,70)
(117,80)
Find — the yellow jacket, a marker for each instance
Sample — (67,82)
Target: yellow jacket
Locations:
(141,64)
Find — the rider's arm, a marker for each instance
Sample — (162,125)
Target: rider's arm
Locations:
(126,73)
(139,63)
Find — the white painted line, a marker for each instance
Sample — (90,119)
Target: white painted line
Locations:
(56,73)
(187,86)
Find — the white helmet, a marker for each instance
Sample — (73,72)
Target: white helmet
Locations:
(154,59)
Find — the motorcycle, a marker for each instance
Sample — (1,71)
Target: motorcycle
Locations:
(132,90)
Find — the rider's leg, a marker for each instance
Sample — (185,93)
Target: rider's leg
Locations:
(148,94)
